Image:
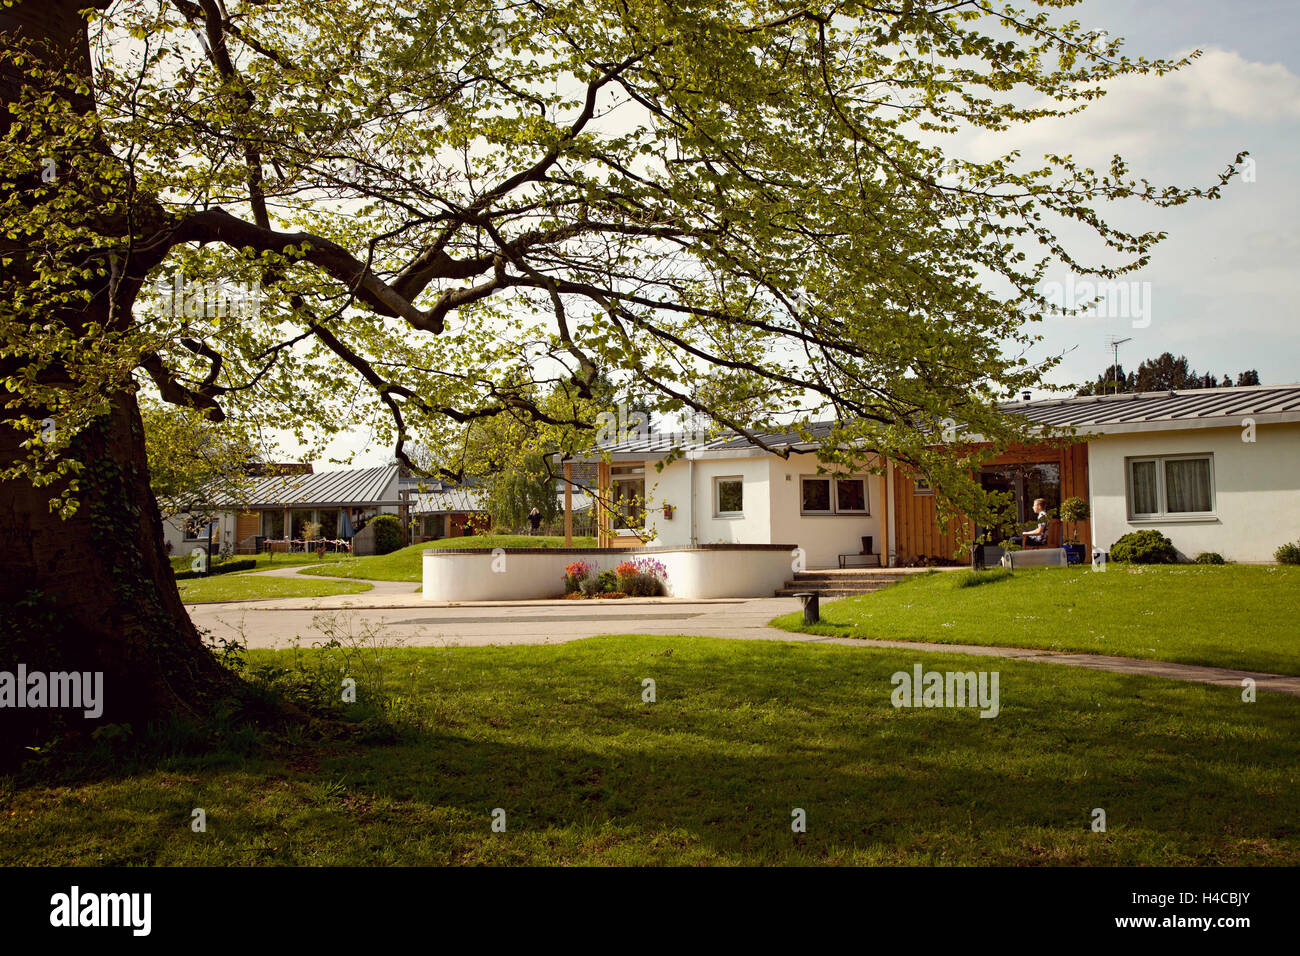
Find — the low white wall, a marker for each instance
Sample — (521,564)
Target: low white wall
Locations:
(531,575)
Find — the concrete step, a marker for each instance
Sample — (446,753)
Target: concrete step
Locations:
(829,592)
(837,581)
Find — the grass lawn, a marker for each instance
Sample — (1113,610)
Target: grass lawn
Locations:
(1241,616)
(406,564)
(742,733)
(246,586)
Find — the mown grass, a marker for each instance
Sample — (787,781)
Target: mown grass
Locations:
(250,586)
(1240,616)
(741,734)
(406,564)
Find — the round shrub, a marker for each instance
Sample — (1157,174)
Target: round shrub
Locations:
(1289,553)
(388,533)
(1144,547)
(1209,557)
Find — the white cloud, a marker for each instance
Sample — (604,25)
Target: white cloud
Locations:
(1140,115)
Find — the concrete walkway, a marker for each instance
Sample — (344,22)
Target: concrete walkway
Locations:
(406,619)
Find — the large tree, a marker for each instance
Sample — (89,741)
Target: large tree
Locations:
(743,207)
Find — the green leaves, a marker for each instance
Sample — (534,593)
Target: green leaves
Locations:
(743,207)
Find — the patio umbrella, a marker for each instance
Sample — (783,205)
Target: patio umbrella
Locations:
(345,525)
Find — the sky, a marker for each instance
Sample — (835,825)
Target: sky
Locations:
(1221,285)
(1221,288)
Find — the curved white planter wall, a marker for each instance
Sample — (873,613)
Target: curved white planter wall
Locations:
(530,575)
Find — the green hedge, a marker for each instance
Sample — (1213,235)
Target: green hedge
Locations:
(225,567)
(388,534)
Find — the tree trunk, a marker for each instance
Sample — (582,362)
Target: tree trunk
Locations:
(93,592)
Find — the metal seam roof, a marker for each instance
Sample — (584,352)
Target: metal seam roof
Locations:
(354,487)
(1082,412)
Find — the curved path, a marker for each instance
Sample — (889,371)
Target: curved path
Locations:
(411,621)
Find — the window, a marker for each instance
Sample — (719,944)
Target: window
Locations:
(273,524)
(627,491)
(1181,486)
(827,496)
(298,521)
(850,496)
(328,518)
(816,496)
(728,496)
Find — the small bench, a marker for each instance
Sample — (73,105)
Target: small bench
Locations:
(869,560)
(1039,557)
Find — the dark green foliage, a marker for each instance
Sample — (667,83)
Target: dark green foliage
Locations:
(1209,557)
(388,533)
(1289,553)
(225,567)
(1144,547)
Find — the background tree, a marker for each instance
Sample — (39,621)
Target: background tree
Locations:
(1165,372)
(444,203)
(193,461)
(1161,373)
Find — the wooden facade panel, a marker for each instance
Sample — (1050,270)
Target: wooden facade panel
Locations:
(247,524)
(917,531)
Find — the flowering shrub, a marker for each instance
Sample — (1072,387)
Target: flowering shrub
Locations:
(575,573)
(643,577)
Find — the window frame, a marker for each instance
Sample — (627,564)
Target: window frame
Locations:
(865,510)
(834,497)
(717,496)
(1162,495)
(629,472)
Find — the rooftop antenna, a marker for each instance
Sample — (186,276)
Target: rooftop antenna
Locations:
(1114,344)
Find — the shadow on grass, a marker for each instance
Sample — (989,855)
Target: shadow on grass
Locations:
(740,735)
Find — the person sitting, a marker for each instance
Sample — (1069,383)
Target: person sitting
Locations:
(1039,534)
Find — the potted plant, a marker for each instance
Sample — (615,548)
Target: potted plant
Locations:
(1074,510)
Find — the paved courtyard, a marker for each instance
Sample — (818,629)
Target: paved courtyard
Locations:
(397,610)
(405,617)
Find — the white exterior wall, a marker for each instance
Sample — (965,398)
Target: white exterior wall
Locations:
(174,533)
(754,525)
(524,577)
(672,485)
(1256,489)
(823,537)
(772,502)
